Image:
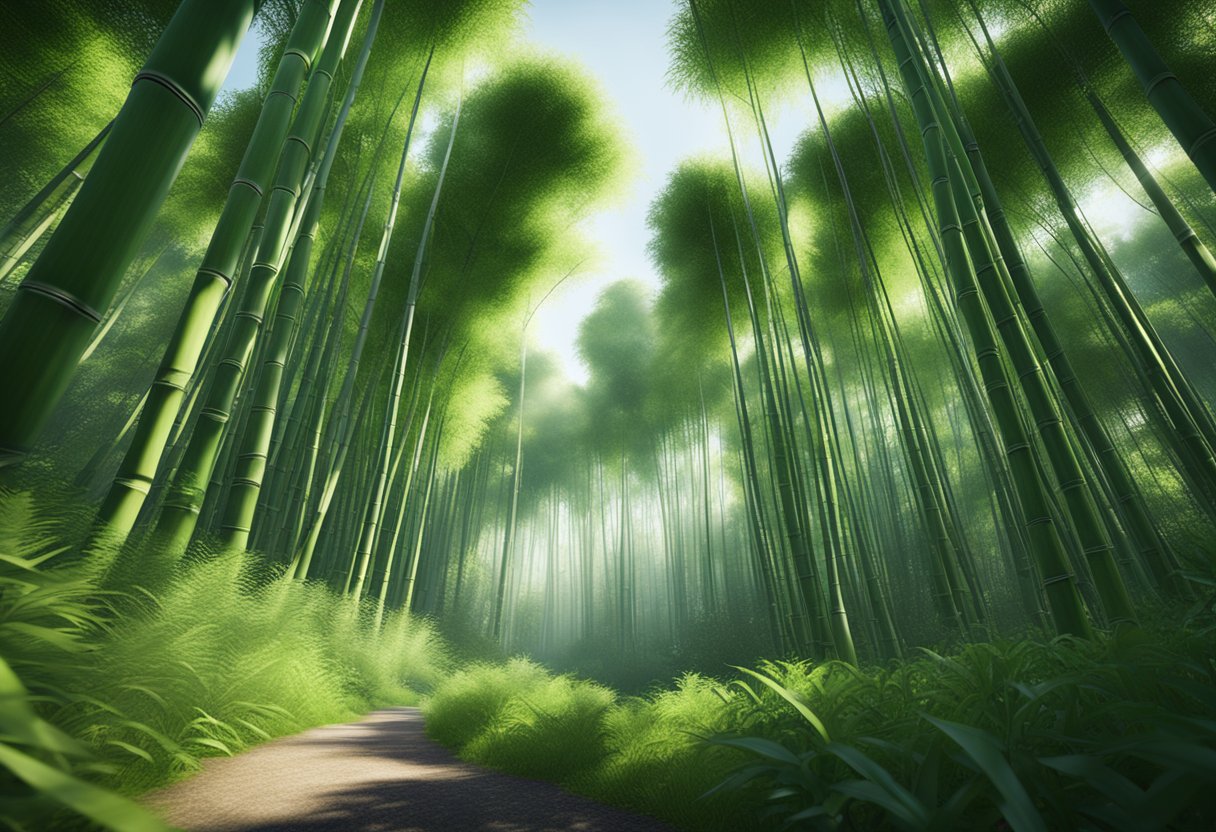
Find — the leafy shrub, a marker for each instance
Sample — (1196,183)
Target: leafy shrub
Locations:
(1028,736)
(660,762)
(466,703)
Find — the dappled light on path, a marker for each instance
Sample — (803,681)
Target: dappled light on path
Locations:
(383,774)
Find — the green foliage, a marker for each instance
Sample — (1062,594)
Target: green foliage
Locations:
(68,66)
(114,688)
(467,702)
(552,730)
(1028,735)
(1023,735)
(131,690)
(697,221)
(660,762)
(617,343)
(511,189)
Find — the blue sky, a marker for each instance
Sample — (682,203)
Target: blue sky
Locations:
(623,45)
(244,72)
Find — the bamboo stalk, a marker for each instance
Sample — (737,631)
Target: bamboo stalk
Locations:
(58,304)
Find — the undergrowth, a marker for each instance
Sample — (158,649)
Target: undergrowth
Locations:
(105,692)
(1024,735)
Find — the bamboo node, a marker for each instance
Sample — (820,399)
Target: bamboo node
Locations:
(169,383)
(1203,139)
(299,54)
(62,297)
(141,485)
(249,183)
(307,149)
(175,88)
(214,273)
(1152,83)
(283,93)
(1115,18)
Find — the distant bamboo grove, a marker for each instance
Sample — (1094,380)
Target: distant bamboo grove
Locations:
(899,385)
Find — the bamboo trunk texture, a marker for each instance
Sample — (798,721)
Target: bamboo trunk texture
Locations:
(185,497)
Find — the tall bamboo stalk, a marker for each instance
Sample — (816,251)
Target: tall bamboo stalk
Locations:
(215,277)
(1191,125)
(368,537)
(185,498)
(1059,582)
(255,442)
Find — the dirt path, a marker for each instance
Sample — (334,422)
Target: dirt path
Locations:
(380,774)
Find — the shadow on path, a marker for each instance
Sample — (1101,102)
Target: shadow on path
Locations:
(381,774)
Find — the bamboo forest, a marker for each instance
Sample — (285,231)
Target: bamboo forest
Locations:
(602,415)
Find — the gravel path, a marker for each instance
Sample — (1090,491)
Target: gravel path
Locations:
(380,774)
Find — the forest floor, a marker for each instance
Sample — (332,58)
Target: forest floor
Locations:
(382,773)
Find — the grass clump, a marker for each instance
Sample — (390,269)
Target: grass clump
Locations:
(644,753)
(517,717)
(467,702)
(127,690)
(554,731)
(661,763)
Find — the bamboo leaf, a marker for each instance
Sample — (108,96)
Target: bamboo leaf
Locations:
(881,786)
(790,697)
(212,743)
(985,750)
(95,803)
(133,749)
(765,748)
